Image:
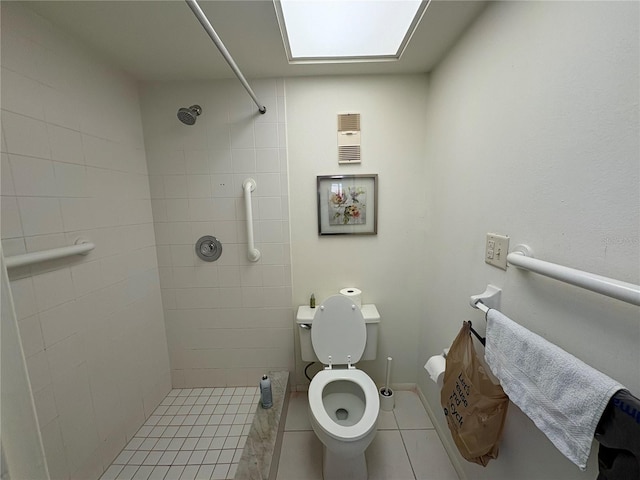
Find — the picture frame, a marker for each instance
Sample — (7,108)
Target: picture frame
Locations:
(347,204)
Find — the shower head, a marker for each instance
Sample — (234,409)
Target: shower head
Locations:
(188,115)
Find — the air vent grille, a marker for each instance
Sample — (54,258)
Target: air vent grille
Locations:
(349,122)
(349,154)
(349,138)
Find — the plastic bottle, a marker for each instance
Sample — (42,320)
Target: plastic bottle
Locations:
(312,301)
(265,392)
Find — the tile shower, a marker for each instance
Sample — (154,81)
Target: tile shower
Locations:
(229,320)
(87,151)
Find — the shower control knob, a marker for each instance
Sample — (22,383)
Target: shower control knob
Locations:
(208,248)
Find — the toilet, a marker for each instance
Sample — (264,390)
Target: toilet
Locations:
(343,401)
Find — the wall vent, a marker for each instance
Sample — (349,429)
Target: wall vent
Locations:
(349,138)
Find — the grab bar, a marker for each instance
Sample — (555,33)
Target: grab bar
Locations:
(522,257)
(81,247)
(248,186)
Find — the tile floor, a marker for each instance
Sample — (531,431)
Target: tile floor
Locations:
(195,434)
(406,446)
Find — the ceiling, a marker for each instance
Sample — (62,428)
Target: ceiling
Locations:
(162,40)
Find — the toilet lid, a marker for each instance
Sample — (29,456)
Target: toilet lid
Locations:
(338,330)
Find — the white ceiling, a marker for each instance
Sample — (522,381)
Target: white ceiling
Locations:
(162,39)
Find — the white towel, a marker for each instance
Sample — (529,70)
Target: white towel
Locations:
(563,396)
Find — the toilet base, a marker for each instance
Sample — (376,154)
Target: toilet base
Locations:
(337,467)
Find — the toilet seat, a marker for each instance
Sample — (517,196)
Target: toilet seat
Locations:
(339,333)
(372,404)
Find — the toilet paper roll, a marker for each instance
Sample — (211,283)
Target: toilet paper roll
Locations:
(354,294)
(435,367)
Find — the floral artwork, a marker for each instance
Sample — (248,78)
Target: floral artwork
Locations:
(347,206)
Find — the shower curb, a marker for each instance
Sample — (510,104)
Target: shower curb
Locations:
(259,460)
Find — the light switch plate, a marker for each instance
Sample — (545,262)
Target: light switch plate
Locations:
(496,250)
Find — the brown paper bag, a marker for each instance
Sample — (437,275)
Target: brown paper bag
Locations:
(474,406)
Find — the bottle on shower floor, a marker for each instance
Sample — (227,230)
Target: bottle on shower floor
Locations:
(266,397)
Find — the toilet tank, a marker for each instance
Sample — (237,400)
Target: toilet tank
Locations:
(304,320)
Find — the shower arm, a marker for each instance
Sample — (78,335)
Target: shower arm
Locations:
(204,21)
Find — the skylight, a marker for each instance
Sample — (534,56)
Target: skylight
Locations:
(347,30)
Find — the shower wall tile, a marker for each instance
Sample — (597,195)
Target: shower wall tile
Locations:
(11,225)
(231,320)
(74,165)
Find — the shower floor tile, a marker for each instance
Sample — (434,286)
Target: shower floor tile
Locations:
(194,434)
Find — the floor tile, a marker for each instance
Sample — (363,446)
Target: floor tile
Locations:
(387,421)
(387,458)
(158,473)
(298,412)
(427,455)
(190,472)
(143,473)
(124,457)
(300,457)
(409,412)
(220,471)
(127,472)
(205,472)
(112,472)
(138,457)
(134,443)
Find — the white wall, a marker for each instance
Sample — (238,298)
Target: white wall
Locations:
(228,321)
(387,267)
(73,164)
(532,131)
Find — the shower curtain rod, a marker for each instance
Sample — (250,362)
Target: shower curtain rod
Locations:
(204,21)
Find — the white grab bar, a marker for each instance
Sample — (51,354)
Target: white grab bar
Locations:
(248,186)
(81,247)
(627,292)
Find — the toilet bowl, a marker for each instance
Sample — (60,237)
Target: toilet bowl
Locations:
(343,401)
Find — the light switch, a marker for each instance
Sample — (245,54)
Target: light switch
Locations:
(496,250)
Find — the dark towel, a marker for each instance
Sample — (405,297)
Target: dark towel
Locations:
(619,435)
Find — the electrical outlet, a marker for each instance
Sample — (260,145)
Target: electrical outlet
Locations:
(496,250)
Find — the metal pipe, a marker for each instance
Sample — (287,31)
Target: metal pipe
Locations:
(81,248)
(253,254)
(204,21)
(627,292)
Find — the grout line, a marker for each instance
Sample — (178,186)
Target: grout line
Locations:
(408,456)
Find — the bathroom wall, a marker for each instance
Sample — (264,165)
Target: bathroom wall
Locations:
(228,321)
(532,131)
(73,165)
(387,267)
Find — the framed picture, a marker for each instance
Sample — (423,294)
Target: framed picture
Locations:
(348,205)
